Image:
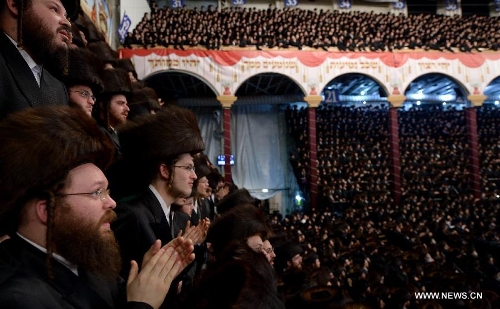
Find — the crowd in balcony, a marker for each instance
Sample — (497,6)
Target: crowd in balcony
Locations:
(272,28)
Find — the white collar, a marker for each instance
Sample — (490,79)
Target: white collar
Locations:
(73,268)
(164,206)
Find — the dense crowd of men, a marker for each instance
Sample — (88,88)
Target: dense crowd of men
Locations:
(439,238)
(107,200)
(272,28)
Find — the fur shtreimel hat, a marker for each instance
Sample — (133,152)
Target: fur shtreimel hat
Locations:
(284,253)
(105,53)
(201,168)
(289,250)
(116,81)
(143,101)
(87,26)
(319,296)
(82,70)
(153,138)
(127,65)
(234,199)
(145,96)
(238,224)
(38,147)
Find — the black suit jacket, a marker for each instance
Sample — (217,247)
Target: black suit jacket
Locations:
(180,219)
(141,221)
(203,211)
(24,282)
(18,87)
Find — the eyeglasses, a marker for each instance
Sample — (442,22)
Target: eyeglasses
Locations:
(101,193)
(268,250)
(189,168)
(85,94)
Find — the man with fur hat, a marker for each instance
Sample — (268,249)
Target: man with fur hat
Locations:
(143,101)
(158,154)
(201,206)
(127,65)
(288,265)
(107,56)
(82,80)
(55,206)
(112,109)
(33,32)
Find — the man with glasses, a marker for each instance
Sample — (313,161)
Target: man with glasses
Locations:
(55,206)
(158,154)
(82,80)
(33,32)
(268,249)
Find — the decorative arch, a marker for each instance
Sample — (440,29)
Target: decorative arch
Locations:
(270,83)
(186,82)
(345,82)
(438,87)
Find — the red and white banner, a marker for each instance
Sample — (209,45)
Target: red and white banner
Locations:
(312,70)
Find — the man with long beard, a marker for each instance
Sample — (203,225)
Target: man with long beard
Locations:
(56,208)
(33,32)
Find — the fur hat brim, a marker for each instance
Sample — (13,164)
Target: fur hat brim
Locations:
(105,53)
(145,97)
(201,168)
(87,26)
(236,225)
(82,70)
(34,160)
(127,65)
(116,81)
(159,137)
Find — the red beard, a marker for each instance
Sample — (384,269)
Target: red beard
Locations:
(84,244)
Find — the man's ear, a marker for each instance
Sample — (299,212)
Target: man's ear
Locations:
(13,7)
(41,210)
(164,172)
